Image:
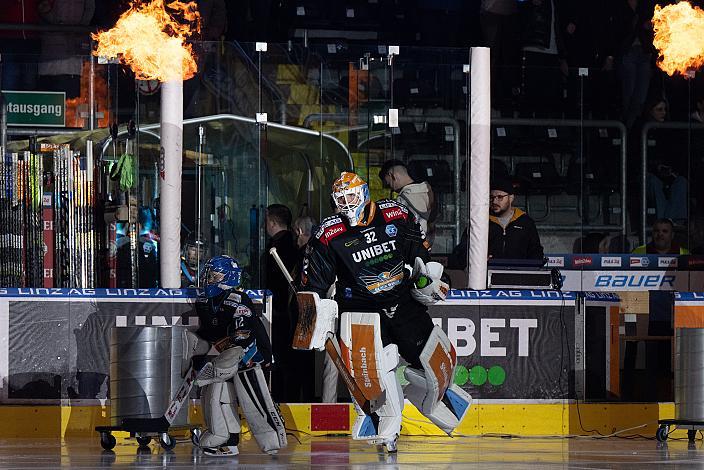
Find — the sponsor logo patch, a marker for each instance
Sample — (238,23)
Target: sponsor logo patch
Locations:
(667,262)
(374,251)
(243,311)
(556,261)
(391,230)
(582,261)
(640,262)
(332,232)
(611,261)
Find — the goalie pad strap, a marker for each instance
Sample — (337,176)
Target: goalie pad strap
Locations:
(259,410)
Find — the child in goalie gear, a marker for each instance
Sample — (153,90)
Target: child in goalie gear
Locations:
(229,322)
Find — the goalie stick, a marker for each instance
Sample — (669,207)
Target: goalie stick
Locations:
(368,406)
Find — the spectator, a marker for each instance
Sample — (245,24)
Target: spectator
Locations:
(545,67)
(633,36)
(663,242)
(512,233)
(592,242)
(418,197)
(665,186)
(500,30)
(277,223)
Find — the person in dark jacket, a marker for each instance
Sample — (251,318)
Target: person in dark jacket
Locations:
(512,233)
(278,223)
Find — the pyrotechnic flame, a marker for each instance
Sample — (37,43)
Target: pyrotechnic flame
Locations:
(151,42)
(679,37)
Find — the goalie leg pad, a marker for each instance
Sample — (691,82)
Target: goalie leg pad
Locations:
(222,368)
(219,413)
(192,345)
(262,415)
(317,320)
(431,390)
(374,369)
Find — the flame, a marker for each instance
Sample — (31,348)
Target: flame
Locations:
(679,37)
(75,107)
(151,41)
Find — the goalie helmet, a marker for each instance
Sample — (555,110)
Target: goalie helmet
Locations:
(220,274)
(351,196)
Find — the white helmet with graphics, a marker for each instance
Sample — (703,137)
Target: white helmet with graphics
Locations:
(351,196)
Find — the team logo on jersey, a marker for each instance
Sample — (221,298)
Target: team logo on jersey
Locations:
(384,281)
(391,230)
(242,311)
(241,335)
(374,251)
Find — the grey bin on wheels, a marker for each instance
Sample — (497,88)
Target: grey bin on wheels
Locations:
(689,384)
(145,374)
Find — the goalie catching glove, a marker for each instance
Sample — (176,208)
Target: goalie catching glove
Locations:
(429,287)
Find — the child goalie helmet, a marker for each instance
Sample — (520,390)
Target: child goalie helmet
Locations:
(220,274)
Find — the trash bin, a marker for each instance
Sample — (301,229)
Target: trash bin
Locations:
(145,372)
(689,374)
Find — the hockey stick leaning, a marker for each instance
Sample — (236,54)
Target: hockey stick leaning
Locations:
(368,406)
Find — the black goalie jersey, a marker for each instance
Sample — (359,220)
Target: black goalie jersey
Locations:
(368,259)
(232,315)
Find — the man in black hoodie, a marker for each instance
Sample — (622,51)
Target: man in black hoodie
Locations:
(512,233)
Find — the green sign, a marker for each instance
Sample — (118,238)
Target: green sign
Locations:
(35,108)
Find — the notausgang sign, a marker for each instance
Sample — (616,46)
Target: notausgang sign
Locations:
(35,108)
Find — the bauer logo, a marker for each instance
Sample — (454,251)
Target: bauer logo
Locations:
(556,261)
(667,262)
(582,261)
(640,262)
(611,262)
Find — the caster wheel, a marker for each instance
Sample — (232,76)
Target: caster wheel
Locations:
(167,442)
(691,434)
(195,436)
(661,434)
(143,441)
(107,441)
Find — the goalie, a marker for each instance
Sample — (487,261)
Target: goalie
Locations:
(379,255)
(229,322)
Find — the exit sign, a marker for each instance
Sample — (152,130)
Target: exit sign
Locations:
(35,108)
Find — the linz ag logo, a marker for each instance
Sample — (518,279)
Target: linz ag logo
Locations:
(582,261)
